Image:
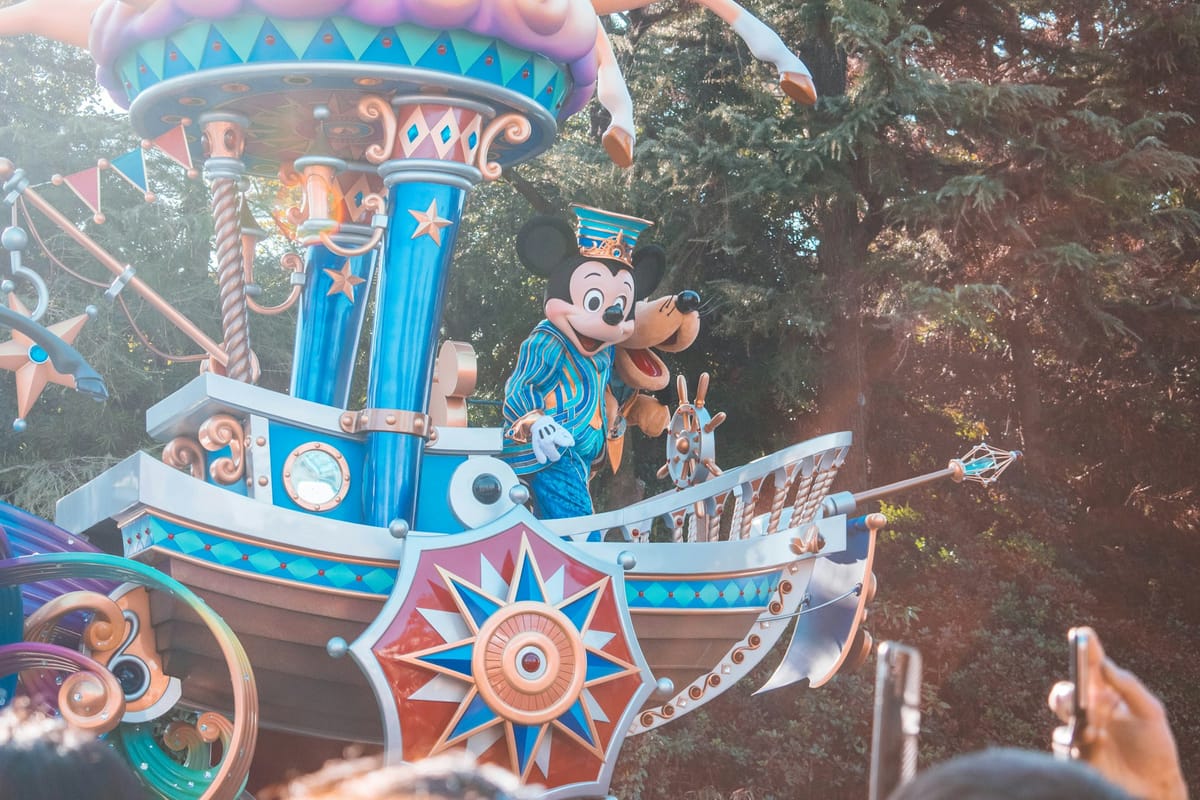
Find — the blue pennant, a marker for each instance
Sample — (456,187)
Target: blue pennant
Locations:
(575,719)
(578,610)
(174,64)
(271,46)
(525,737)
(218,52)
(477,714)
(440,56)
(328,44)
(599,666)
(132,166)
(479,606)
(528,586)
(455,659)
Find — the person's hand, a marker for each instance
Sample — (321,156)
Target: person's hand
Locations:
(547,436)
(1127,739)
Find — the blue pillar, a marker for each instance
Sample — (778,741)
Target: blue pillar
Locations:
(424,216)
(332,307)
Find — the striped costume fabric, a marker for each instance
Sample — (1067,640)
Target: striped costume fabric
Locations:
(555,378)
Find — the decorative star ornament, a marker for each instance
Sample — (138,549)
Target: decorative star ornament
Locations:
(512,647)
(31,364)
(343,281)
(429,223)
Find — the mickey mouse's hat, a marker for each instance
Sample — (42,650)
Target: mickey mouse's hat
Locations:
(605,234)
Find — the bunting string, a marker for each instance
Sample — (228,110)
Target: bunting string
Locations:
(131,167)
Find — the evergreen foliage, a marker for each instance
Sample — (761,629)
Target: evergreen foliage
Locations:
(987,227)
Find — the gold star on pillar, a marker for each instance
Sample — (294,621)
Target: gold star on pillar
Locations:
(343,281)
(31,364)
(428,222)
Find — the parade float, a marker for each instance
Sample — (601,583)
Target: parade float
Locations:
(377,574)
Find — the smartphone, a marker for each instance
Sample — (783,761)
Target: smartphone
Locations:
(1069,738)
(897,725)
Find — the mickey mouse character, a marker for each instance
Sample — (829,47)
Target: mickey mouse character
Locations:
(554,400)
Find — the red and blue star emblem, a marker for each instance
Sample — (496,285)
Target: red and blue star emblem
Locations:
(515,647)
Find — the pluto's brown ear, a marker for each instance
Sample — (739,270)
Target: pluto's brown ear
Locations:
(544,242)
(649,265)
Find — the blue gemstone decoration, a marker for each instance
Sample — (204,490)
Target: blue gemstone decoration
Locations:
(472,140)
(413,133)
(38,355)
(445,134)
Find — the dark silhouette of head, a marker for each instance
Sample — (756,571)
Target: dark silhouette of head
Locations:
(1009,774)
(41,758)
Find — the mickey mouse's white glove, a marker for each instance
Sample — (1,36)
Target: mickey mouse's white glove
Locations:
(547,436)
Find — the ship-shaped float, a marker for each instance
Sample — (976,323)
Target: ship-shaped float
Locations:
(374,574)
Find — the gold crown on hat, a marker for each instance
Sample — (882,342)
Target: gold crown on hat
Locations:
(606,234)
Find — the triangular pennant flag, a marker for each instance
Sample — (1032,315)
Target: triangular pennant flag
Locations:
(174,143)
(543,72)
(298,33)
(271,46)
(242,33)
(175,63)
(511,61)
(192,40)
(416,40)
(218,52)
(132,167)
(468,48)
(327,44)
(440,56)
(86,185)
(357,36)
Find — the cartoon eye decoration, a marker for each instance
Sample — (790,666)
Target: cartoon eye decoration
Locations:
(621,303)
(593,300)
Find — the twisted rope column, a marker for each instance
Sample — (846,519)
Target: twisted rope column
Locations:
(224,142)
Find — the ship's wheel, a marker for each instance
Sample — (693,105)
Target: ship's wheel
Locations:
(691,439)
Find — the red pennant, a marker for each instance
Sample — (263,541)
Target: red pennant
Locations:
(86,185)
(174,144)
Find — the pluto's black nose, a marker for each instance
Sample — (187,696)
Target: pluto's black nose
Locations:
(687,301)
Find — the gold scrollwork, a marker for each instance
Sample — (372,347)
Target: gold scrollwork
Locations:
(374,107)
(220,431)
(290,262)
(183,453)
(91,701)
(514,127)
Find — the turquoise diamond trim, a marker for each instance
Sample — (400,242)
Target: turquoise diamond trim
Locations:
(749,592)
(239,556)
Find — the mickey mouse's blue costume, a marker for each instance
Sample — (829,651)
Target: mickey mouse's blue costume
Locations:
(554,400)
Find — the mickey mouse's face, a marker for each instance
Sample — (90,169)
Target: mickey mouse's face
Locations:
(598,313)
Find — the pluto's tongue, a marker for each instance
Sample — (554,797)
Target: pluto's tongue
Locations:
(646,363)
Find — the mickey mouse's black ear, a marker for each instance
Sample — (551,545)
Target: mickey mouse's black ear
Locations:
(544,242)
(649,266)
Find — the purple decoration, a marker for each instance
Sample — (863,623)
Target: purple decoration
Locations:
(562,30)
(26,534)
(52,657)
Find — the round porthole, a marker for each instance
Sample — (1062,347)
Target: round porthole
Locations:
(316,476)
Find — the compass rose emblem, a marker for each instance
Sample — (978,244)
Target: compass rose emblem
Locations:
(510,646)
